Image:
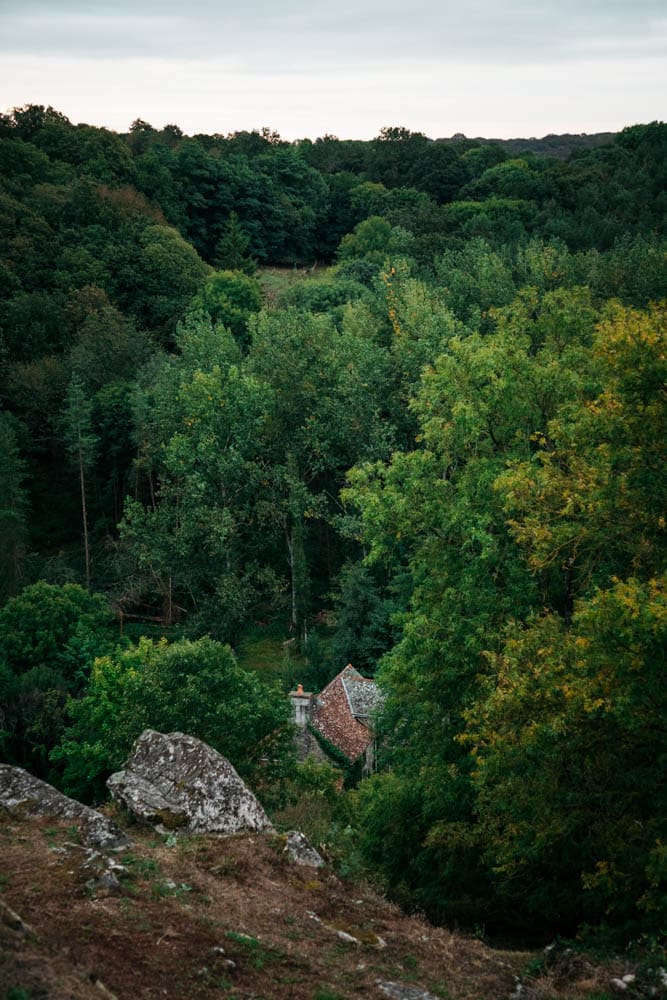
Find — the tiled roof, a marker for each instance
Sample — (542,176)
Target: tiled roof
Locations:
(346,696)
(363,694)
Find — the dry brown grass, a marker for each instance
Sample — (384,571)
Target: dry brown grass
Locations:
(179,903)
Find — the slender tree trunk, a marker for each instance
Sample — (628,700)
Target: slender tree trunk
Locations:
(295,536)
(152,489)
(81,443)
(290,559)
(84,513)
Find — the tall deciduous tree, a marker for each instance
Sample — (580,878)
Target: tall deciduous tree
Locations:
(81,444)
(570,740)
(13,510)
(433,515)
(49,636)
(193,687)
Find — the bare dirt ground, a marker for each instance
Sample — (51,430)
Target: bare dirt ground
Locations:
(223,917)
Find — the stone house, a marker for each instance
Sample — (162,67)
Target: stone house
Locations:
(343,714)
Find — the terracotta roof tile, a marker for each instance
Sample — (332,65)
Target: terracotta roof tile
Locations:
(333,715)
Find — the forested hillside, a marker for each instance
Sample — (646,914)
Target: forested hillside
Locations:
(399,403)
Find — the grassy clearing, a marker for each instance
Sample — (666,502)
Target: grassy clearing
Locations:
(275,281)
(270,651)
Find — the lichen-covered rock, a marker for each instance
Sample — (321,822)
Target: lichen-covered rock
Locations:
(300,851)
(176,782)
(21,794)
(399,991)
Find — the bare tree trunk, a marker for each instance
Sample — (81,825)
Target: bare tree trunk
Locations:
(84,513)
(152,489)
(290,556)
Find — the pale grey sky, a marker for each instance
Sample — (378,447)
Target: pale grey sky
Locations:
(503,68)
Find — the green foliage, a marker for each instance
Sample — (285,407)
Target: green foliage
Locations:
(504,220)
(433,510)
(325,296)
(476,279)
(520,178)
(55,626)
(81,443)
(601,460)
(231,252)
(13,510)
(584,692)
(171,274)
(192,687)
(17,993)
(49,636)
(106,346)
(568,751)
(351,769)
(230,298)
(363,630)
(374,240)
(309,799)
(498,555)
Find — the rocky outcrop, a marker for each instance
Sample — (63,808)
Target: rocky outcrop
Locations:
(299,850)
(399,991)
(176,782)
(21,794)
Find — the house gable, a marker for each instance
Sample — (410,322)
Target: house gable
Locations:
(343,710)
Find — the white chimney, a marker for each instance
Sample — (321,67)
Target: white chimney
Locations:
(301,704)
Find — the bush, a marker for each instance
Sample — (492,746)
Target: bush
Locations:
(49,637)
(191,687)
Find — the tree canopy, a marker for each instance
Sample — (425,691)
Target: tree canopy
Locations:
(397,402)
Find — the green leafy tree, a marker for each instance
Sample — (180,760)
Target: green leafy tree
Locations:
(432,516)
(581,686)
(163,278)
(230,298)
(191,687)
(475,279)
(601,462)
(520,178)
(200,422)
(13,510)
(106,347)
(394,154)
(326,392)
(568,746)
(375,239)
(49,636)
(250,455)
(81,444)
(364,612)
(502,220)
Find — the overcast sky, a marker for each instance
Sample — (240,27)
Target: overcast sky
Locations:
(483,67)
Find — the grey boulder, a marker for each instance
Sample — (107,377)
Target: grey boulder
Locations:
(399,991)
(299,850)
(176,782)
(21,794)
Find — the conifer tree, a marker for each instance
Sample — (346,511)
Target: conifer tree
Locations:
(231,251)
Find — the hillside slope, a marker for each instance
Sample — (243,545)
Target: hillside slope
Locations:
(209,917)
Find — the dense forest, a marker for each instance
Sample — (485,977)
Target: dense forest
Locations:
(399,403)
